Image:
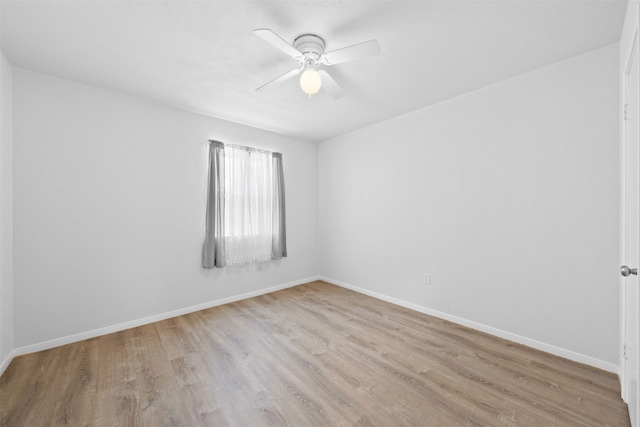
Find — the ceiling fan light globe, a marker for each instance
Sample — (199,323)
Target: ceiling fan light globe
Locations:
(310,81)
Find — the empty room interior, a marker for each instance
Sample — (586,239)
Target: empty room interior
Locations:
(313,213)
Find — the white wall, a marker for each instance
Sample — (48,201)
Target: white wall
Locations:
(507,195)
(6,213)
(109,209)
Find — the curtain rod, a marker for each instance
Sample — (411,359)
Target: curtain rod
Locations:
(243,147)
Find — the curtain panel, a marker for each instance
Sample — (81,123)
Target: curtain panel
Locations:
(213,247)
(245,218)
(279,235)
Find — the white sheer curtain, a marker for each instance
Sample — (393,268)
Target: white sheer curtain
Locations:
(245,207)
(248,206)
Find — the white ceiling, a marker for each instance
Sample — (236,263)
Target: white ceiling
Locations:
(202,56)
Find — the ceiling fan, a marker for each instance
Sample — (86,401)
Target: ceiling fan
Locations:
(308,50)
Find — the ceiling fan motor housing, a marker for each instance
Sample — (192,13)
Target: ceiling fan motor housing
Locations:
(311,47)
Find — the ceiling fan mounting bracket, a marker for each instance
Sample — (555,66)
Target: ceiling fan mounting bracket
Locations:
(310,46)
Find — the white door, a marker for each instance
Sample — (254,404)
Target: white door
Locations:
(630,236)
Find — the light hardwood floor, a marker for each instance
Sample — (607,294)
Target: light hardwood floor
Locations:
(312,355)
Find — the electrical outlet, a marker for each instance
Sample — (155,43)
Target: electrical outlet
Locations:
(427,278)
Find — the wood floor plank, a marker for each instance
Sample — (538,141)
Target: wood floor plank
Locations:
(312,355)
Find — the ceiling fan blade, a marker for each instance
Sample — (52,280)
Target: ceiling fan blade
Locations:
(351,53)
(278,42)
(279,80)
(330,85)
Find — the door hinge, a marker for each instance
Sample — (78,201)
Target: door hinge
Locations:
(626,112)
(624,352)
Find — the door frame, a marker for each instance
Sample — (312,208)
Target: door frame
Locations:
(632,54)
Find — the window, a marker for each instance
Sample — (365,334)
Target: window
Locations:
(245,221)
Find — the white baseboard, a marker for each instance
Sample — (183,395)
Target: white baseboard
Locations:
(144,321)
(7,360)
(558,351)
